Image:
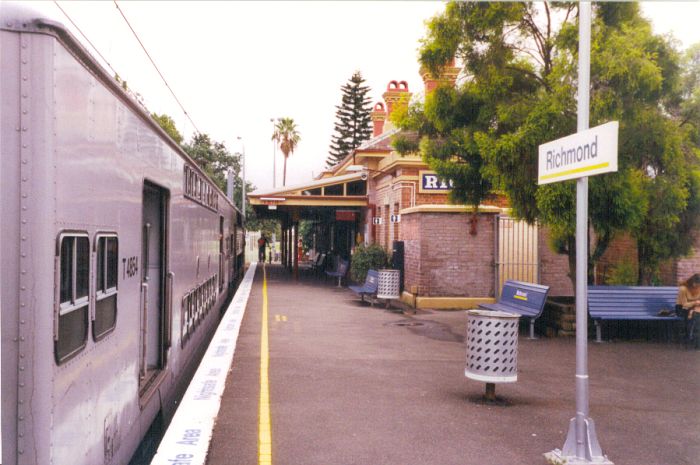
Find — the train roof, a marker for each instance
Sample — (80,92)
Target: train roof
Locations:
(20,17)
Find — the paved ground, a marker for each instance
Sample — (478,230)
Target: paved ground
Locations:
(352,384)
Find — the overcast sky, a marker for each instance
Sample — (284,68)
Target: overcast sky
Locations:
(236,65)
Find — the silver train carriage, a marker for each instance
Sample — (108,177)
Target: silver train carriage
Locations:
(117,255)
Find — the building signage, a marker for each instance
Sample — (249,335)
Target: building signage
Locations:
(345,215)
(430,183)
(396,218)
(586,153)
(377,220)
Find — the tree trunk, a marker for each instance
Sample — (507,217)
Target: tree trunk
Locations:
(284,172)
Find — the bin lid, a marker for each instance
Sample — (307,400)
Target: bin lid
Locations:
(492,314)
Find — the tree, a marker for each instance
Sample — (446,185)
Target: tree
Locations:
(168,125)
(520,62)
(353,120)
(213,158)
(287,136)
(442,130)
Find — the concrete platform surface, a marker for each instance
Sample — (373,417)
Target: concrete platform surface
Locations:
(352,384)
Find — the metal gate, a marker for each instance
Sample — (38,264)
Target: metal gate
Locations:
(516,252)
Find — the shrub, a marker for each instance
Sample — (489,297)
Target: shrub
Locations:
(624,274)
(368,258)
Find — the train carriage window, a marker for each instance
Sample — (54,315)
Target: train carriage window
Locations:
(106,286)
(74,302)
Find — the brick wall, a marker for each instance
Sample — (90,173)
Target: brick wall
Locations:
(411,234)
(688,266)
(622,249)
(554,267)
(442,259)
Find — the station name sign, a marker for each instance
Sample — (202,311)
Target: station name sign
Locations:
(586,153)
(431,183)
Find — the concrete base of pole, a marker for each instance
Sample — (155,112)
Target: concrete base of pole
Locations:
(556,457)
(591,448)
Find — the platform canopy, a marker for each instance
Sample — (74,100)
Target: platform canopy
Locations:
(320,199)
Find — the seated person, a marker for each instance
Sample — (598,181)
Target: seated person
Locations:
(688,306)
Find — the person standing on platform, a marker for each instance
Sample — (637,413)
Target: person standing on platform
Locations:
(688,307)
(262,244)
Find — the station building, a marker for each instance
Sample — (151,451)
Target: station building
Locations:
(453,257)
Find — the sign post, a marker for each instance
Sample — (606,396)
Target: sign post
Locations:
(568,158)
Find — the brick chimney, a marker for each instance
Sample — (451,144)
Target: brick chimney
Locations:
(378,116)
(448,76)
(396,94)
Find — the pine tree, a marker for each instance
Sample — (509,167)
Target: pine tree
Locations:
(353,119)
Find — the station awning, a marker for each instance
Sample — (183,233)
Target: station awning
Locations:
(318,199)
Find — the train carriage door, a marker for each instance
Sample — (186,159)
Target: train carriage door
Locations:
(153,296)
(222,265)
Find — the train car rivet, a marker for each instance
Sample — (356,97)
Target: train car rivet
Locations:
(21,339)
(21,368)
(21,385)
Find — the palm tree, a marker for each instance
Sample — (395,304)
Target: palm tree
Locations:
(287,137)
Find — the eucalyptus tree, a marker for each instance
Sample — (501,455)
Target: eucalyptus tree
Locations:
(519,85)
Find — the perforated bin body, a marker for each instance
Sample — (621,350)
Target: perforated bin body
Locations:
(388,284)
(492,346)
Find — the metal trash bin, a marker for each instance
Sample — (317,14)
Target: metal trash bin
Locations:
(388,284)
(492,347)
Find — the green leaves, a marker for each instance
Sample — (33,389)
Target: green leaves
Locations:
(520,67)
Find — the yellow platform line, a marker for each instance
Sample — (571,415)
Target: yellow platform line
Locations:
(264,429)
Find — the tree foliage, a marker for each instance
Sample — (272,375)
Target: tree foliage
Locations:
(288,137)
(168,125)
(353,120)
(520,67)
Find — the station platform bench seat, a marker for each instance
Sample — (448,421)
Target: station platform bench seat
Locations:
(317,262)
(369,287)
(631,303)
(340,270)
(524,299)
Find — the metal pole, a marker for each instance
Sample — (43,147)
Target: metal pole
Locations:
(229,184)
(242,177)
(581,446)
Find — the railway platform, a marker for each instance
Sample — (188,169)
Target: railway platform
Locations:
(328,380)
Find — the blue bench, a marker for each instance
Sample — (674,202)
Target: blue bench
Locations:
(525,299)
(340,270)
(631,303)
(317,264)
(369,287)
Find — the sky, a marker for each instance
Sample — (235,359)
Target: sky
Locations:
(234,66)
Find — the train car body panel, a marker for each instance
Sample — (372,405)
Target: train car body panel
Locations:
(114,256)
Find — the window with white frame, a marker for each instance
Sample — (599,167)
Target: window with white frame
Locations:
(74,296)
(107,264)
